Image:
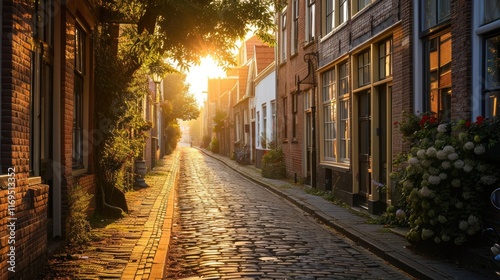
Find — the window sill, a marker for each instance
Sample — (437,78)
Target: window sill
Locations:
(79,172)
(343,167)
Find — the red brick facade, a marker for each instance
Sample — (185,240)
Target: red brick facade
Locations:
(24,54)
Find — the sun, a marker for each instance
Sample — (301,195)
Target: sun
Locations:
(198,75)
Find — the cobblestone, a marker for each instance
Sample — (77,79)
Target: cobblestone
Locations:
(228,227)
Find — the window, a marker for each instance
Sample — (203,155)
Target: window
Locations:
(491,11)
(364,68)
(491,95)
(78,101)
(283,36)
(295,26)
(438,76)
(335,99)
(259,129)
(436,12)
(285,119)
(385,59)
(237,131)
(264,124)
(343,11)
(41,107)
(273,128)
(295,119)
(310,20)
(359,5)
(329,16)
(329,112)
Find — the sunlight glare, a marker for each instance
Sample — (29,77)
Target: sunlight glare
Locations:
(198,76)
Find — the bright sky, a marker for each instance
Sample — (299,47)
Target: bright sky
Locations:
(197,77)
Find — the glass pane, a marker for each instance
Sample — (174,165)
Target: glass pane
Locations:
(444,7)
(492,104)
(492,71)
(491,11)
(430,13)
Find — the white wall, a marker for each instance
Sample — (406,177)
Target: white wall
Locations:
(265,92)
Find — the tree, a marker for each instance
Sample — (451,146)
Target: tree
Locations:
(187,30)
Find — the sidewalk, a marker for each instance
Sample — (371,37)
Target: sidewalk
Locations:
(133,247)
(388,245)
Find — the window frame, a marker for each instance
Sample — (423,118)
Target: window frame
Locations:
(310,6)
(295,27)
(364,67)
(490,92)
(384,57)
(79,99)
(283,37)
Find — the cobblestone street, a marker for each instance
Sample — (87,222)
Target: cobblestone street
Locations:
(226,227)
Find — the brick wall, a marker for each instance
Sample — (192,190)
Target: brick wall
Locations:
(461,66)
(294,66)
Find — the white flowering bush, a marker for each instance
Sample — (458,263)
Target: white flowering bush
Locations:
(442,178)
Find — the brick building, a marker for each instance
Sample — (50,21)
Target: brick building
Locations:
(45,121)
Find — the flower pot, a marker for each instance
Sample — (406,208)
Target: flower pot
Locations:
(140,167)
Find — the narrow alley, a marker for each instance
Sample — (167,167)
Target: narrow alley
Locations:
(227,227)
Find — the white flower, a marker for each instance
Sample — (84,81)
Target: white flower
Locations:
(479,150)
(442,219)
(427,233)
(452,156)
(431,152)
(425,192)
(468,168)
(441,128)
(462,136)
(443,176)
(445,165)
(463,225)
(434,180)
(448,149)
(459,164)
(441,155)
(400,214)
(413,161)
(421,154)
(488,179)
(469,146)
(472,220)
(408,184)
(455,183)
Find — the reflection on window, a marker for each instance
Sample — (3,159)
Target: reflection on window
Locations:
(283,37)
(344,129)
(438,76)
(310,21)
(78,95)
(295,26)
(329,108)
(362,4)
(492,76)
(435,12)
(330,16)
(364,68)
(385,59)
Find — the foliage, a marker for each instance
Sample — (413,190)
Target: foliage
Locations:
(185,31)
(77,225)
(219,120)
(214,145)
(442,178)
(273,164)
(173,132)
(178,103)
(206,141)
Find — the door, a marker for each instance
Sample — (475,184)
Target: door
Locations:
(364,149)
(308,148)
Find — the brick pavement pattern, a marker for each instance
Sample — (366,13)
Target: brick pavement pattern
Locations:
(127,248)
(227,227)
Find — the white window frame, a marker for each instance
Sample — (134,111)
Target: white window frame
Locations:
(310,7)
(283,35)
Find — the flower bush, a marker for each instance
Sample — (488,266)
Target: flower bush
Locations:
(442,178)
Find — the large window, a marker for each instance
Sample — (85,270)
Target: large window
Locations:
(437,53)
(295,26)
(491,11)
(358,5)
(283,37)
(78,101)
(364,68)
(295,119)
(285,119)
(273,125)
(310,20)
(328,92)
(329,16)
(264,124)
(491,95)
(335,100)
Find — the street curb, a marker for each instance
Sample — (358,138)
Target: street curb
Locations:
(395,258)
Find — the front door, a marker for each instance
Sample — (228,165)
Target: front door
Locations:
(308,147)
(364,133)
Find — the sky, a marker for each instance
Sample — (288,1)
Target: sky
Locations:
(198,76)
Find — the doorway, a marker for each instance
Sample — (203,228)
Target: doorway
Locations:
(364,148)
